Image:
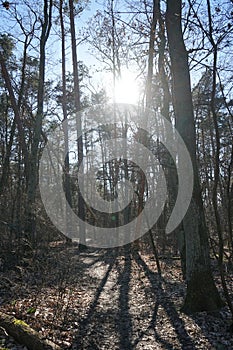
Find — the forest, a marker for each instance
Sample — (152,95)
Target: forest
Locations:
(116,174)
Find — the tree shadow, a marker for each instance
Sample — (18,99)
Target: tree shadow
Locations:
(215,327)
(124,316)
(86,321)
(162,299)
(52,269)
(115,322)
(98,255)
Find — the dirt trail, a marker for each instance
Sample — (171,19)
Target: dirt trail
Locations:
(110,300)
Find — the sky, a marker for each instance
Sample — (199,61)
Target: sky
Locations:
(8,25)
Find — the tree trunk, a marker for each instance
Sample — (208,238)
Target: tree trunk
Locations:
(14,107)
(81,203)
(65,125)
(201,291)
(24,334)
(34,156)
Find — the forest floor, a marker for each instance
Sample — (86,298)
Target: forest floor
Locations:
(107,299)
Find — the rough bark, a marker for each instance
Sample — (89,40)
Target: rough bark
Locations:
(201,292)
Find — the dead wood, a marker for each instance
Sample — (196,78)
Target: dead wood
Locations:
(24,334)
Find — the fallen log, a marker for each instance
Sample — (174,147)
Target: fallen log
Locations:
(24,334)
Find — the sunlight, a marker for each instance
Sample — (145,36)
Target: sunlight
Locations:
(126,89)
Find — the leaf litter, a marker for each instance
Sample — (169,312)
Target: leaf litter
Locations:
(108,299)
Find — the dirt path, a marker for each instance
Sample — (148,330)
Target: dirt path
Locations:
(110,300)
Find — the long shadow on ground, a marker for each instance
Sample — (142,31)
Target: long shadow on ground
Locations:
(162,299)
(125,320)
(86,321)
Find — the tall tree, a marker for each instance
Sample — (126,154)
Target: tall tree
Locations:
(81,203)
(201,291)
(46,24)
(65,112)
(3,55)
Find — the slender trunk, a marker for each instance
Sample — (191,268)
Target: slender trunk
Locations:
(6,160)
(34,156)
(230,205)
(143,137)
(151,53)
(116,69)
(14,107)
(217,165)
(65,114)
(81,203)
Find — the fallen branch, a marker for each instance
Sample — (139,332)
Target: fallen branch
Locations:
(24,334)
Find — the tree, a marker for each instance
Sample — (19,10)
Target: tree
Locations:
(81,203)
(201,291)
(34,156)
(14,104)
(65,112)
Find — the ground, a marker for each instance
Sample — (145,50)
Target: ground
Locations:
(107,299)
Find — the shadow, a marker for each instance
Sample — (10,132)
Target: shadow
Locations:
(162,299)
(52,268)
(215,327)
(124,317)
(85,321)
(98,255)
(114,323)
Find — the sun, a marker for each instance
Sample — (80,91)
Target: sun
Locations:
(127,89)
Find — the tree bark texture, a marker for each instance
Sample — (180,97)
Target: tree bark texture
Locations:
(201,292)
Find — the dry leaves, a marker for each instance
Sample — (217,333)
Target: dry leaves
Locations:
(108,300)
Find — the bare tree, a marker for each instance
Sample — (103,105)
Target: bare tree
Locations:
(81,203)
(201,292)
(46,24)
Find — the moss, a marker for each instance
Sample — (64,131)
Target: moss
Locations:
(20,323)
